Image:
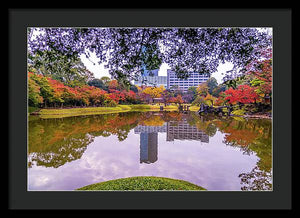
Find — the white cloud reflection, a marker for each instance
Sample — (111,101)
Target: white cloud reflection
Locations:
(212,165)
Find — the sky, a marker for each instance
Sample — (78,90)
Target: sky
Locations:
(99,70)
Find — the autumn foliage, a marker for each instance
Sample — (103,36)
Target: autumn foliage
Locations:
(243,94)
(49,92)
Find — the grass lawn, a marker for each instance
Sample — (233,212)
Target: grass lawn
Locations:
(143,183)
(68,112)
(194,108)
(32,109)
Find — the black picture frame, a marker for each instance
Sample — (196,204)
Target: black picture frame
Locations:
(281,22)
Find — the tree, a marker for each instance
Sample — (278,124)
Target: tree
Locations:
(193,90)
(46,91)
(220,88)
(244,94)
(166,95)
(113,84)
(34,94)
(56,65)
(262,79)
(211,84)
(128,50)
(179,100)
(176,100)
(188,97)
(105,80)
(198,101)
(97,83)
(58,91)
(154,92)
(133,88)
(211,99)
(97,96)
(202,89)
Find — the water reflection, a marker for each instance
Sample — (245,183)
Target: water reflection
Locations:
(148,147)
(182,130)
(55,143)
(252,137)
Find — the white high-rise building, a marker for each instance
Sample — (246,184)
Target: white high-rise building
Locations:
(183,84)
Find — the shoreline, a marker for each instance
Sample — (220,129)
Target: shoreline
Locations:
(258,116)
(49,113)
(84,111)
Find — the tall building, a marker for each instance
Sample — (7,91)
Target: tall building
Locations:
(150,72)
(194,79)
(152,81)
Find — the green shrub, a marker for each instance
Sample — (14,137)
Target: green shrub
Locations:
(239,112)
(110,103)
(32,109)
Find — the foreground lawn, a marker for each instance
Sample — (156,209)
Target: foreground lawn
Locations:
(143,183)
(60,113)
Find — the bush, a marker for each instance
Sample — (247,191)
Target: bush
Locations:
(110,103)
(239,112)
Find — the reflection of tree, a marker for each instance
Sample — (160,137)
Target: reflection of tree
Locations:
(202,123)
(54,142)
(256,180)
(252,136)
(153,121)
(211,129)
(64,151)
(239,137)
(172,116)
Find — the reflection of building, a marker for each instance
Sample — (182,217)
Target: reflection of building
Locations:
(149,142)
(149,129)
(183,131)
(175,130)
(148,147)
(194,79)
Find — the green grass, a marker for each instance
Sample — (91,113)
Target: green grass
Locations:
(194,108)
(60,113)
(143,183)
(32,109)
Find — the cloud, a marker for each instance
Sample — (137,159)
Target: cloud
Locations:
(212,165)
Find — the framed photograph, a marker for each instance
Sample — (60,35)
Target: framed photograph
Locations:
(150,109)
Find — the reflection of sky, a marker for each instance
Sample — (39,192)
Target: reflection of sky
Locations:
(212,165)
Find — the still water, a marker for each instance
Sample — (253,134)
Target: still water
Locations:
(215,153)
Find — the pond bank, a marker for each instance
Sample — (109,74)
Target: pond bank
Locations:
(258,116)
(69,112)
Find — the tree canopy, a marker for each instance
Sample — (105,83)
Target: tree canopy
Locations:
(127,52)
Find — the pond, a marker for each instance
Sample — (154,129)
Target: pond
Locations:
(219,154)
